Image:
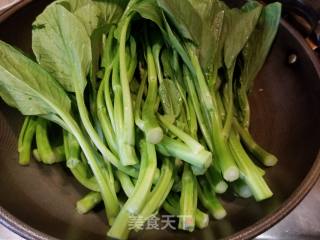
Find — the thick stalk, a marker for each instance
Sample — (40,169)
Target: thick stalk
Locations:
(245,107)
(208,102)
(204,126)
(241,189)
(25,139)
(74,163)
(175,148)
(137,107)
(251,176)
(201,218)
(44,148)
(228,99)
(127,153)
(209,105)
(126,183)
(120,229)
(187,204)
(256,150)
(108,61)
(209,200)
(104,119)
(107,155)
(151,129)
(194,145)
(144,183)
(128,133)
(110,199)
(133,59)
(88,202)
(160,191)
(215,179)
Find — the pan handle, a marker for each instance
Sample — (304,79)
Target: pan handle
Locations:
(305,18)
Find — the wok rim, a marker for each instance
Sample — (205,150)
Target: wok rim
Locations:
(22,229)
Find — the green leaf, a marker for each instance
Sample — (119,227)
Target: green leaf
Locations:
(239,24)
(5,95)
(150,10)
(62,46)
(207,9)
(185,18)
(97,14)
(211,44)
(212,13)
(72,5)
(257,48)
(175,42)
(29,87)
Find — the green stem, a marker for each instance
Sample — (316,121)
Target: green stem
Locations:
(172,206)
(104,119)
(256,150)
(133,59)
(126,183)
(244,106)
(187,204)
(144,183)
(192,120)
(106,153)
(127,153)
(120,229)
(221,108)
(228,98)
(25,139)
(210,107)
(194,145)
(110,199)
(108,61)
(88,202)
(207,100)
(128,131)
(215,179)
(44,148)
(209,200)
(174,148)
(156,49)
(160,191)
(151,128)
(251,176)
(241,189)
(196,106)
(77,168)
(137,108)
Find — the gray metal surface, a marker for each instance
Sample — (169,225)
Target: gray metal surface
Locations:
(303,223)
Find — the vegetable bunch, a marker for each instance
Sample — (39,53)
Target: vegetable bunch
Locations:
(146,102)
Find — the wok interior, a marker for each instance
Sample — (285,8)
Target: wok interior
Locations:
(285,120)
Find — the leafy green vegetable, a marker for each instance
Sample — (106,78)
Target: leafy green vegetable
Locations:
(238,26)
(62,46)
(96,14)
(255,53)
(141,84)
(33,92)
(212,15)
(183,14)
